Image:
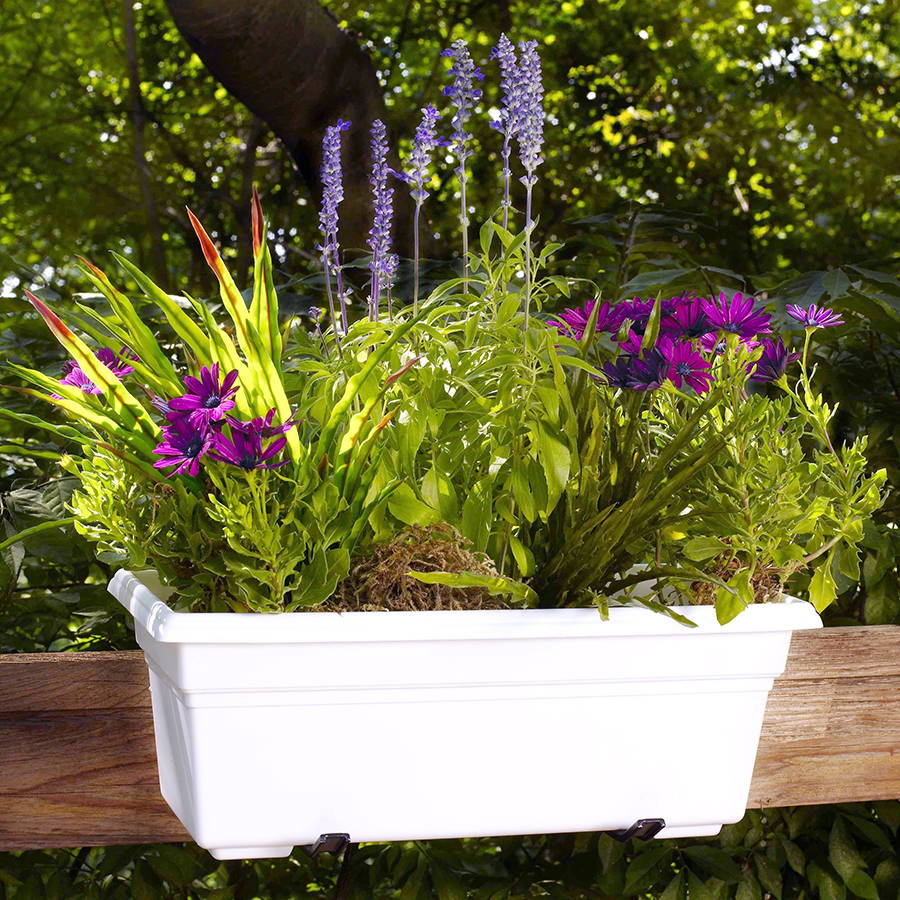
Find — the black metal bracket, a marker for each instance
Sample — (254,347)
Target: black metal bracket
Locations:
(340,845)
(329,843)
(643,830)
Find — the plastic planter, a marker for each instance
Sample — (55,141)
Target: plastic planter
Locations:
(272,730)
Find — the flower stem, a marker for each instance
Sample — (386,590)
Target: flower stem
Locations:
(416,258)
(528,226)
(331,309)
(506,177)
(464,224)
(339,280)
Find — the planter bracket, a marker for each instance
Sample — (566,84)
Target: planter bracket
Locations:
(329,843)
(643,829)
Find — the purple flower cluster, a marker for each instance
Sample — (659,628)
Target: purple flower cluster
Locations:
(574,321)
(530,124)
(379,239)
(510,111)
(691,331)
(195,425)
(332,195)
(425,141)
(74,376)
(464,94)
(332,184)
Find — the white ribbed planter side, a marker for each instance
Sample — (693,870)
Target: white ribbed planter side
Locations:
(274,729)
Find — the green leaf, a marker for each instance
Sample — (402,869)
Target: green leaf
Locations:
(556,461)
(676,889)
(835,283)
(842,852)
(862,885)
(769,876)
(795,856)
(848,562)
(701,548)
(446,884)
(523,556)
(144,883)
(749,888)
(715,862)
(494,584)
(405,506)
(645,869)
(822,589)
(438,492)
(734,598)
(175,864)
(475,523)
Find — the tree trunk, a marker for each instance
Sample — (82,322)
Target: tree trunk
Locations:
(291,65)
(138,116)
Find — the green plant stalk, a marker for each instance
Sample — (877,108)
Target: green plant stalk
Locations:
(37,529)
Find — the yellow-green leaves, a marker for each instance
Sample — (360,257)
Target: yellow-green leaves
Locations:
(495,585)
(131,412)
(822,587)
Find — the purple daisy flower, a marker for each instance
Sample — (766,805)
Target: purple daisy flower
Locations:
(263,425)
(648,372)
(74,375)
(184,446)
(688,319)
(207,400)
(245,449)
(737,315)
(639,311)
(773,363)
(645,373)
(815,316)
(686,364)
(632,344)
(574,321)
(618,373)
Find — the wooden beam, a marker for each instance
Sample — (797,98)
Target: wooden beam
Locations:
(78,765)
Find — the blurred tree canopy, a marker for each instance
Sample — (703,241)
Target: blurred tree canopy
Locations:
(776,120)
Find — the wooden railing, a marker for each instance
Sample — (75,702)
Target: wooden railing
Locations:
(78,765)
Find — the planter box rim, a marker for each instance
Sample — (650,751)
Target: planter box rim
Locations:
(144,597)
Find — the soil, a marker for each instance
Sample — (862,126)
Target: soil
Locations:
(378,580)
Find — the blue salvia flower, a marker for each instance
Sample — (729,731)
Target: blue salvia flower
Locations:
(464,94)
(424,143)
(530,130)
(510,111)
(379,240)
(417,175)
(530,134)
(332,195)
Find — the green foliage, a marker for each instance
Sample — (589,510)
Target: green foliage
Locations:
(843,852)
(242,539)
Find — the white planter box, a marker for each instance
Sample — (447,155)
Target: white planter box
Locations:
(274,729)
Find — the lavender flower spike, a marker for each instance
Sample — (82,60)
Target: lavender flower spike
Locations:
(463,95)
(379,240)
(332,195)
(417,175)
(510,112)
(530,134)
(530,129)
